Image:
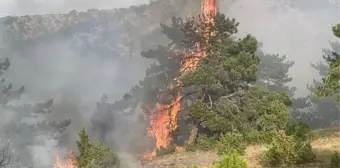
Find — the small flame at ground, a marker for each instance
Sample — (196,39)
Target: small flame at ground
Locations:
(71,162)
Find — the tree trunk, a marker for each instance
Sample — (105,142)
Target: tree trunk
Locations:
(193,130)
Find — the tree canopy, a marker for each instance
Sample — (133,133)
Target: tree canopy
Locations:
(221,95)
(331,85)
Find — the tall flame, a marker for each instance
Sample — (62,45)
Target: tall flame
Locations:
(209,7)
(165,119)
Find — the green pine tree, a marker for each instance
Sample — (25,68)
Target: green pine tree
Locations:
(95,154)
(84,149)
(221,95)
(331,85)
(323,111)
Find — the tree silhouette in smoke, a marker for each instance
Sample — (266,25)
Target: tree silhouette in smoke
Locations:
(323,110)
(7,93)
(106,115)
(20,131)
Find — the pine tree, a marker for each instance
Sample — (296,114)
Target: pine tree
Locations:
(274,73)
(323,111)
(220,95)
(84,149)
(94,154)
(331,84)
(274,76)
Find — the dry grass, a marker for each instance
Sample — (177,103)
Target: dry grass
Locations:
(324,145)
(183,159)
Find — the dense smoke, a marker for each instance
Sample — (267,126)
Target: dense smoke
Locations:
(77,77)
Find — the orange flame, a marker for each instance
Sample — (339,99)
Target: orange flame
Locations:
(165,119)
(209,7)
(71,162)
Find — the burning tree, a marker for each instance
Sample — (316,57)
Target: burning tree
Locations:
(208,76)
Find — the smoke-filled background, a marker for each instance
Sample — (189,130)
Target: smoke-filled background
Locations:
(76,57)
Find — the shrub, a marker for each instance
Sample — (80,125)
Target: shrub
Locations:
(231,142)
(103,157)
(286,150)
(335,160)
(299,131)
(190,147)
(165,151)
(95,154)
(260,137)
(304,152)
(203,143)
(231,160)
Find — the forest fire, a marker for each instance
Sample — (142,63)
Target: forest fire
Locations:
(164,119)
(71,162)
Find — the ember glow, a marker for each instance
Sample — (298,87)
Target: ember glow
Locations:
(71,162)
(164,117)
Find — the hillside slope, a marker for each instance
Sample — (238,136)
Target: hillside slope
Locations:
(105,30)
(327,141)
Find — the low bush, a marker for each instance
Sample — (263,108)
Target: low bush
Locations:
(231,142)
(95,154)
(299,131)
(260,137)
(203,143)
(286,150)
(231,160)
(335,160)
(165,151)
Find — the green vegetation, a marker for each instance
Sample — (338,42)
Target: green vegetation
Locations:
(95,154)
(335,160)
(231,160)
(231,142)
(237,95)
(331,85)
(222,95)
(288,150)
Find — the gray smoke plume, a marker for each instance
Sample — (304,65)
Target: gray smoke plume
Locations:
(75,66)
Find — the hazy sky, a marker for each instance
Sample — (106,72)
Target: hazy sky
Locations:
(23,7)
(299,30)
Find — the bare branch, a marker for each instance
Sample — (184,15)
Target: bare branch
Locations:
(211,103)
